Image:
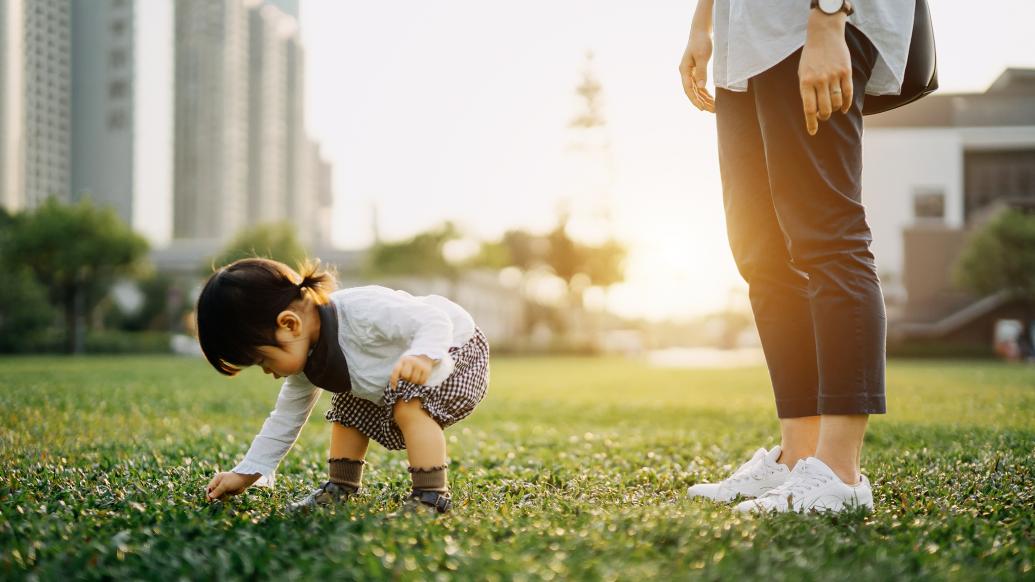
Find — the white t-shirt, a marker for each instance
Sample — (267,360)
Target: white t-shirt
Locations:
(751,36)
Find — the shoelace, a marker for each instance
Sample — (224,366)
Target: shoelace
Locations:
(796,485)
(753,469)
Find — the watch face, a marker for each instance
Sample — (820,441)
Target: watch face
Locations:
(831,6)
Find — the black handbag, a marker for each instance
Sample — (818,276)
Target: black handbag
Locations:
(921,75)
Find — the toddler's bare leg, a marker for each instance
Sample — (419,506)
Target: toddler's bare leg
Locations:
(347,443)
(425,445)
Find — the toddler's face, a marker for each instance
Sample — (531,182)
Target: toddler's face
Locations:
(286,359)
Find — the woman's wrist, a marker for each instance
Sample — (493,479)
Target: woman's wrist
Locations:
(820,21)
(702,19)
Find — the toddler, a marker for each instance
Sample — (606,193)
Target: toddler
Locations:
(401,368)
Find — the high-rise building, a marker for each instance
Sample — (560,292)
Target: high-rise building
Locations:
(35,103)
(268,82)
(211,111)
(103,87)
(289,7)
(282,176)
(122,109)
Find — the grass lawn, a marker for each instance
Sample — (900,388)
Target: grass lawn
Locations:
(571,469)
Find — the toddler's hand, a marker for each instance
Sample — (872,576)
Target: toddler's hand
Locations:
(415,369)
(228,483)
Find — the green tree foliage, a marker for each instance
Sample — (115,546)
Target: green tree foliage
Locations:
(75,252)
(275,240)
(25,313)
(603,264)
(420,255)
(1001,257)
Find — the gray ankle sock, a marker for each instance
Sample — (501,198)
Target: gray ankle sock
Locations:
(346,472)
(432,479)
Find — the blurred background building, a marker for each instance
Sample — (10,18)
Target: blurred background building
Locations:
(36,101)
(226,144)
(934,172)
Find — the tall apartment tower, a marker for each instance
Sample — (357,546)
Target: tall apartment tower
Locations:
(35,103)
(122,109)
(268,123)
(211,110)
(103,87)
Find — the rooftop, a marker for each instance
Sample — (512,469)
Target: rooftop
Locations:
(1008,101)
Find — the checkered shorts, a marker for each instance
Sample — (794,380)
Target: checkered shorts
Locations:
(447,403)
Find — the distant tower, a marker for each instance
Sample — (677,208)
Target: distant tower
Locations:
(35,101)
(121,141)
(211,109)
(589,163)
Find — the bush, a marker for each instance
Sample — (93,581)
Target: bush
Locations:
(125,342)
(25,313)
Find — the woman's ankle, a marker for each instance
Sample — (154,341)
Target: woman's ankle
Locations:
(790,457)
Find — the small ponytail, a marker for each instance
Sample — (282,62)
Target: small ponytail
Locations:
(316,281)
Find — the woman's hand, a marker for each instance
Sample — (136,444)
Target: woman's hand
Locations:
(413,369)
(693,68)
(228,483)
(825,69)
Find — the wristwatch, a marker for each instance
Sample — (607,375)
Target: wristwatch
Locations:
(833,6)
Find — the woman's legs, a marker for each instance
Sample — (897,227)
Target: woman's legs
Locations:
(798,439)
(816,186)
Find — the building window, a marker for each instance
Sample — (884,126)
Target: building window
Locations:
(117,119)
(118,26)
(117,58)
(929,205)
(118,88)
(998,176)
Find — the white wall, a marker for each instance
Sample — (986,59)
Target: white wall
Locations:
(896,162)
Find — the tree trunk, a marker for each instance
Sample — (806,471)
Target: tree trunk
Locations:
(73,319)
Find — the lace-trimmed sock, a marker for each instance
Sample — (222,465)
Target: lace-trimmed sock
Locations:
(346,472)
(431,479)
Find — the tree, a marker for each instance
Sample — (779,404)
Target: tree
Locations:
(1001,257)
(74,251)
(420,255)
(274,240)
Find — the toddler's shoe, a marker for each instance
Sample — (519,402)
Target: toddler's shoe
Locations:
(421,500)
(812,486)
(327,494)
(760,474)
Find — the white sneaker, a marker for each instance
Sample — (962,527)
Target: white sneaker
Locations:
(812,486)
(751,479)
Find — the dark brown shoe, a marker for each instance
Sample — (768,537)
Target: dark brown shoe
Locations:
(423,500)
(326,494)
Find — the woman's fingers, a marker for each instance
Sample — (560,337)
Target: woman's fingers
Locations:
(823,107)
(836,97)
(686,74)
(846,93)
(808,102)
(707,101)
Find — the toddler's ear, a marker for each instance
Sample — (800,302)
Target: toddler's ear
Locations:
(289,320)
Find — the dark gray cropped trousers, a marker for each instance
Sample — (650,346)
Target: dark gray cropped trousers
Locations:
(798,232)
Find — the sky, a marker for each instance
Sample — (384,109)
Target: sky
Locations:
(459,109)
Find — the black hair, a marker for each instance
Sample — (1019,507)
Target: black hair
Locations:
(238,307)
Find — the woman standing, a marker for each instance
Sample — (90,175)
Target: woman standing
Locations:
(790,83)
